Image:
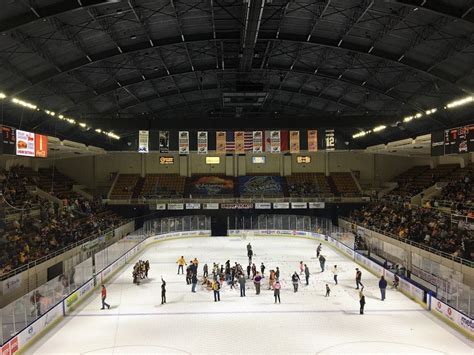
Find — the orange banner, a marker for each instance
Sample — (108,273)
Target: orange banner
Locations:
(220,142)
(41,146)
(294,141)
(239,142)
(312,140)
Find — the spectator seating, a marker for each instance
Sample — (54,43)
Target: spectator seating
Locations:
(345,184)
(163,185)
(423,225)
(52,181)
(124,186)
(307,184)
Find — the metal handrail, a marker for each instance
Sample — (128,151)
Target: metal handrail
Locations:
(443,254)
(56,253)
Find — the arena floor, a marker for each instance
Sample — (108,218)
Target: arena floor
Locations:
(305,322)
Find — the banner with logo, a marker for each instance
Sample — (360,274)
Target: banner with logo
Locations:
(294,141)
(143,138)
(221,142)
(164,139)
(202,142)
(263,206)
(210,206)
(193,206)
(239,142)
(41,146)
(25,143)
(281,205)
(330,140)
(175,206)
(316,205)
(312,140)
(11,284)
(275,142)
(257,138)
(183,141)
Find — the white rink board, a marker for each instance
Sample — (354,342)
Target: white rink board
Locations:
(305,322)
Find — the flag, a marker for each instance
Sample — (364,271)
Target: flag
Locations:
(230,141)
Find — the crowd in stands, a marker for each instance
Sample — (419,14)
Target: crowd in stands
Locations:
(427,226)
(30,236)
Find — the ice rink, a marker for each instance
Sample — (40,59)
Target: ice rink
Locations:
(304,322)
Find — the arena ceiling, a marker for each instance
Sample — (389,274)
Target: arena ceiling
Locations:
(147,64)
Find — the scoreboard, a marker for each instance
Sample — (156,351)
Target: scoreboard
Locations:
(457,140)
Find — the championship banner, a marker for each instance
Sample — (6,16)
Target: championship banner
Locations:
(257,138)
(239,142)
(183,142)
(275,142)
(143,141)
(330,140)
(164,139)
(312,140)
(294,141)
(202,142)
(220,142)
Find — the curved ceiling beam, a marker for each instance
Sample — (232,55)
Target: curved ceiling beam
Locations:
(46,12)
(438,8)
(139,79)
(297,39)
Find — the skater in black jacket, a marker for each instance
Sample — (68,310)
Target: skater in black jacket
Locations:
(295,279)
(163,291)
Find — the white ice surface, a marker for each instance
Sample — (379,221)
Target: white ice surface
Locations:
(305,322)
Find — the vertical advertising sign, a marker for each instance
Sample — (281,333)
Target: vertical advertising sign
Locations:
(41,146)
(275,142)
(25,143)
(239,142)
(221,142)
(164,139)
(257,146)
(183,142)
(312,140)
(330,140)
(143,137)
(294,141)
(202,142)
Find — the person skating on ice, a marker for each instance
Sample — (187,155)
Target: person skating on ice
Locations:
(249,270)
(256,281)
(295,279)
(254,271)
(277,273)
(250,255)
(306,274)
(396,281)
(216,286)
(262,269)
(181,262)
(318,250)
(242,285)
(301,267)
(276,290)
(322,262)
(362,300)
(163,291)
(103,294)
(335,272)
(328,290)
(147,268)
(358,278)
(205,271)
(194,281)
(383,287)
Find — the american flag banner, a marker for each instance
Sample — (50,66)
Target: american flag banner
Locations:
(230,141)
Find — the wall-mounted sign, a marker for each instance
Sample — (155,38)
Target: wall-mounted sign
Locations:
(161,206)
(166,160)
(263,206)
(210,206)
(236,206)
(213,160)
(193,206)
(175,206)
(316,205)
(299,205)
(25,143)
(41,146)
(258,160)
(281,205)
(303,159)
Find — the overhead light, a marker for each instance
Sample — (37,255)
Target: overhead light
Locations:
(71,121)
(430,112)
(460,102)
(408,119)
(379,128)
(98,130)
(24,104)
(418,115)
(82,124)
(2,96)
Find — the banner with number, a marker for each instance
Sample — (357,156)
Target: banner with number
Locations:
(330,140)
(164,139)
(275,142)
(239,142)
(143,137)
(257,137)
(312,140)
(294,141)
(183,142)
(220,142)
(202,142)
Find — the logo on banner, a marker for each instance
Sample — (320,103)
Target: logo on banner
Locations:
(143,138)
(275,142)
(221,141)
(164,139)
(202,142)
(312,140)
(257,141)
(294,141)
(183,142)
(239,142)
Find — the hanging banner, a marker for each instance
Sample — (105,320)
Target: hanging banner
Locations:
(257,141)
(294,141)
(275,142)
(330,140)
(143,137)
(202,142)
(25,143)
(183,142)
(239,142)
(41,146)
(220,142)
(164,139)
(312,140)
